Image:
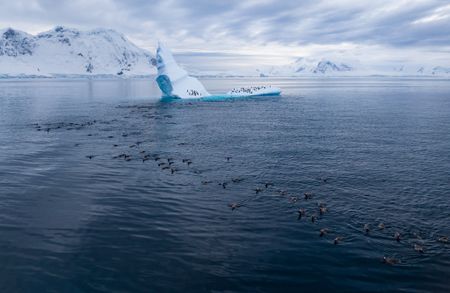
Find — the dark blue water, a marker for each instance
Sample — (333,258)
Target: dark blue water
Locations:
(370,150)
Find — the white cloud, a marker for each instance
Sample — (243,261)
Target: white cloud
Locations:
(441,13)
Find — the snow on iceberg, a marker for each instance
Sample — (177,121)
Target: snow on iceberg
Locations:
(175,82)
(254,91)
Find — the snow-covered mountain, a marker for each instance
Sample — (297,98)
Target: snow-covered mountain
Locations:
(326,67)
(65,51)
(308,67)
(440,70)
(420,70)
(428,71)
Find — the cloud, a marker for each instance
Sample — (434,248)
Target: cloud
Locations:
(275,29)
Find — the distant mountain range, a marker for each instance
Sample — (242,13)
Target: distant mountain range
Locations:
(70,52)
(307,66)
(64,51)
(324,67)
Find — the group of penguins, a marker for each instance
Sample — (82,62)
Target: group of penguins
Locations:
(313,214)
(248,90)
(193,93)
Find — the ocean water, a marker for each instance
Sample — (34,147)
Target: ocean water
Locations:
(86,207)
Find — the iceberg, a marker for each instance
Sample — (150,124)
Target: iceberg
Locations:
(174,82)
(254,91)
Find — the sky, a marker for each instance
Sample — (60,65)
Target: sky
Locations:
(212,34)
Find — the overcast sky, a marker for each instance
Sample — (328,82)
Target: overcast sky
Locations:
(257,31)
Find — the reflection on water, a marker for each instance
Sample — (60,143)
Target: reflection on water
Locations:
(104,188)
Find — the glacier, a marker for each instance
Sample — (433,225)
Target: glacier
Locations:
(174,82)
